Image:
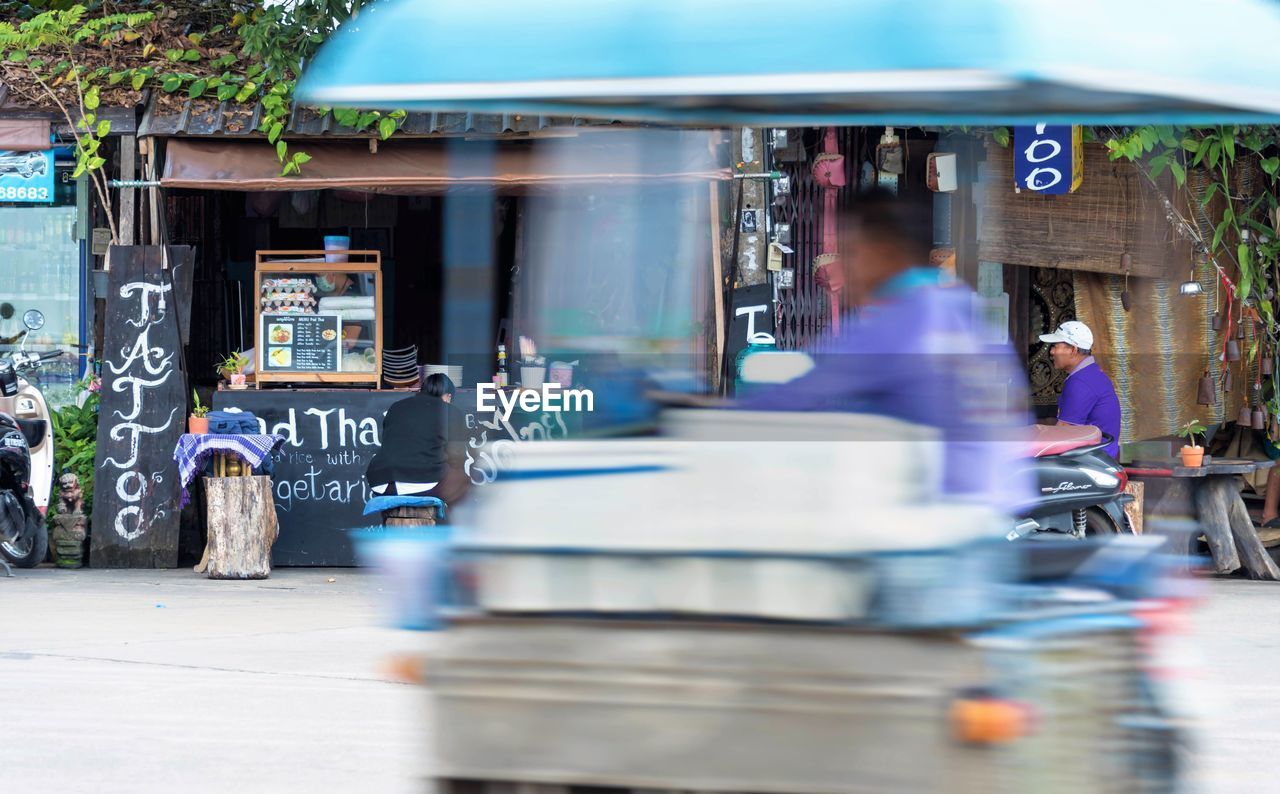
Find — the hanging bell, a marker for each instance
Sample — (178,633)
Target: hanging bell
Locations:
(1233,350)
(1125,302)
(1205,393)
(1274,432)
(1259,418)
(1216,322)
(1245,419)
(1228,381)
(1240,330)
(1267,365)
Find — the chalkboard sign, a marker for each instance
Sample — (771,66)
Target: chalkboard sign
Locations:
(752,321)
(300,343)
(320,491)
(143,410)
(330,437)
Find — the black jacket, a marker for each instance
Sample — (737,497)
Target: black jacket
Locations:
(415,434)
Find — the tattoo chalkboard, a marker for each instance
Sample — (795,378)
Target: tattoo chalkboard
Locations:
(144,400)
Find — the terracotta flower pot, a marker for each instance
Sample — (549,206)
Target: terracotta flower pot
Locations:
(1192,457)
(197,425)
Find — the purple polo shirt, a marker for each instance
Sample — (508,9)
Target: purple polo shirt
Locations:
(915,356)
(1089,398)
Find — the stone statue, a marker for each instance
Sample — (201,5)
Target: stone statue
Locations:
(70,526)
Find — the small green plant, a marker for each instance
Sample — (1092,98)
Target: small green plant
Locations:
(198,409)
(1190,430)
(234,364)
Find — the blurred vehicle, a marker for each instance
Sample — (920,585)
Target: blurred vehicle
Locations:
(695,617)
(23,164)
(26,456)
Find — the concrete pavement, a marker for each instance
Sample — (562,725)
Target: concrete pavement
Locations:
(141,681)
(144,681)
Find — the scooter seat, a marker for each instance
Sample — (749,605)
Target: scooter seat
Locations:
(1056,439)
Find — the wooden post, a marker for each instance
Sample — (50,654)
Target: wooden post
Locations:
(1133,510)
(242,526)
(749,157)
(153,204)
(717,278)
(128,171)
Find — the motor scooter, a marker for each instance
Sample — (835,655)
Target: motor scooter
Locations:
(1080,488)
(26,455)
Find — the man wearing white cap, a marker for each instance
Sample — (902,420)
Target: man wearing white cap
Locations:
(1088,396)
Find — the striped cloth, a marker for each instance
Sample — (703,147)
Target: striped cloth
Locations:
(193,452)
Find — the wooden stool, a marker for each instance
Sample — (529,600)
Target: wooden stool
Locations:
(241,517)
(411,516)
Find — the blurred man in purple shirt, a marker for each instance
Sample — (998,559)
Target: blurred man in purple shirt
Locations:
(912,353)
(1088,397)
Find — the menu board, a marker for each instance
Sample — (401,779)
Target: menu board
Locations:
(300,343)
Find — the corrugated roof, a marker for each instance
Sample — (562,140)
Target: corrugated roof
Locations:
(123,119)
(207,117)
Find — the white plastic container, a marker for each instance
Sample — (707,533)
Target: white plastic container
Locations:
(532,376)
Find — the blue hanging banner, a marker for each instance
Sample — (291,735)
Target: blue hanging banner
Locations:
(26,177)
(1048,158)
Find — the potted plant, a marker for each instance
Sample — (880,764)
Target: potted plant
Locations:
(1192,454)
(198,422)
(232,368)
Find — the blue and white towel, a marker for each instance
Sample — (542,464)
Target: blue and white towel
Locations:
(193,452)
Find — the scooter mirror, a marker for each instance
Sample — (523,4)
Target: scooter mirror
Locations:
(33,319)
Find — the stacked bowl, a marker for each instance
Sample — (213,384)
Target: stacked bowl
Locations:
(400,367)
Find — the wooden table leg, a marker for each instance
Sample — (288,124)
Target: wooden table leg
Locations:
(1257,561)
(1215,521)
(1228,529)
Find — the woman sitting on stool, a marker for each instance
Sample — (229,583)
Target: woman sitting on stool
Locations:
(415,455)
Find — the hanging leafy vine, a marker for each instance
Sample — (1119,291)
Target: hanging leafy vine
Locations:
(1244,246)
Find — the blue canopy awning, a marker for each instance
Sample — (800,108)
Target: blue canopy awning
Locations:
(808,62)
